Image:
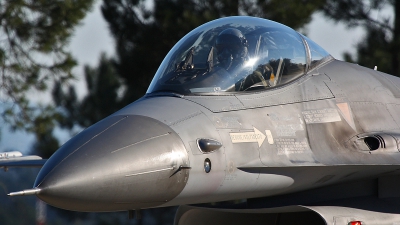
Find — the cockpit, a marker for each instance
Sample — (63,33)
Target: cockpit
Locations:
(236,54)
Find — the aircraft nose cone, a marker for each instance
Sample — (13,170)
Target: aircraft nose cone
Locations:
(120,163)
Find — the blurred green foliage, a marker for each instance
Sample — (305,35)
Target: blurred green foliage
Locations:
(381,45)
(33,54)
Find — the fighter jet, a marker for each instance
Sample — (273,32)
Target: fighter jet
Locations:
(242,110)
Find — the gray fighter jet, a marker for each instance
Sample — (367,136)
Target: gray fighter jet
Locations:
(242,109)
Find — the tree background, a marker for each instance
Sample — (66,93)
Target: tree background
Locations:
(381,44)
(142,38)
(33,54)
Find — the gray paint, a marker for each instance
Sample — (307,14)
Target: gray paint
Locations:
(139,158)
(296,148)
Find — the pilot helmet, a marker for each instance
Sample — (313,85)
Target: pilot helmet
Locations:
(231,47)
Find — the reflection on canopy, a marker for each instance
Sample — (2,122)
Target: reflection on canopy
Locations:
(250,54)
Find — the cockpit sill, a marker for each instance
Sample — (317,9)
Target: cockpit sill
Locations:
(311,70)
(319,63)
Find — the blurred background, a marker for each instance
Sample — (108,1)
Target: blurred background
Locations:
(65,65)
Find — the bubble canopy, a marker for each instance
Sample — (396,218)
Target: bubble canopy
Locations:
(236,54)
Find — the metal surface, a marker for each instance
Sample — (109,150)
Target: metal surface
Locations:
(137,155)
(314,133)
(33,191)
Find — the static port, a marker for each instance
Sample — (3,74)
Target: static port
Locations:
(207,165)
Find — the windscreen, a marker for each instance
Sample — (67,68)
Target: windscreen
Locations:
(235,54)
